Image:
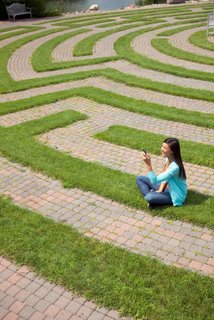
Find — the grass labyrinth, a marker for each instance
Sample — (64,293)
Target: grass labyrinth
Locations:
(77,117)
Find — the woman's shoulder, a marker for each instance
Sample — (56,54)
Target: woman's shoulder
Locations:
(173,165)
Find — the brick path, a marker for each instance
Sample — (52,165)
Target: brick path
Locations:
(119,88)
(142,45)
(174,242)
(180,41)
(25,296)
(77,139)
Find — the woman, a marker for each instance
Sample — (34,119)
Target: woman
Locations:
(169,187)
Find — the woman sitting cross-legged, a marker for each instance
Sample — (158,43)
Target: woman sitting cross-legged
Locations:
(169,187)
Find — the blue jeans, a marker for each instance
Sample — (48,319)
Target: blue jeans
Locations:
(148,191)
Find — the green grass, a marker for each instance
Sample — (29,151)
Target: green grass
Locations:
(117,101)
(82,24)
(16,33)
(192,152)
(7,84)
(168,88)
(196,15)
(199,39)
(141,21)
(164,46)
(42,59)
(138,286)
(16,141)
(180,29)
(8,50)
(85,46)
(124,50)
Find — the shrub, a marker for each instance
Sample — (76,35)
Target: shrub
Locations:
(147,2)
(38,7)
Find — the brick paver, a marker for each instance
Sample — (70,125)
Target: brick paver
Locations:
(78,138)
(142,45)
(65,306)
(181,41)
(109,221)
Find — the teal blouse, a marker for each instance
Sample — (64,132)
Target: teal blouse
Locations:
(177,186)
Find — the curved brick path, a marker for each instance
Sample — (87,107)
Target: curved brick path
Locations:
(119,88)
(77,139)
(181,41)
(22,294)
(173,242)
(142,45)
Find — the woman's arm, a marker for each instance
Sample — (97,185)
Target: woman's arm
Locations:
(172,170)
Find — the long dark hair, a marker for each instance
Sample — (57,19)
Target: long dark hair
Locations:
(174,145)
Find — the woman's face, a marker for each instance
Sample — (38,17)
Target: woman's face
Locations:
(166,151)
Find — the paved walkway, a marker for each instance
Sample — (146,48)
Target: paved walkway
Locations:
(22,294)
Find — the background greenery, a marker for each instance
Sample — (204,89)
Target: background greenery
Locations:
(38,7)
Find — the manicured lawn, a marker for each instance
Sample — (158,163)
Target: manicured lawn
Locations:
(137,286)
(193,152)
(77,173)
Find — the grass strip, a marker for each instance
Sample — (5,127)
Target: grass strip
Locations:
(42,59)
(168,88)
(85,46)
(138,286)
(8,50)
(16,141)
(196,15)
(192,152)
(164,46)
(128,14)
(176,30)
(7,84)
(141,22)
(16,33)
(199,39)
(114,100)
(124,50)
(83,24)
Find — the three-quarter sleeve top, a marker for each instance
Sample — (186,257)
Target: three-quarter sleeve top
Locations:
(177,186)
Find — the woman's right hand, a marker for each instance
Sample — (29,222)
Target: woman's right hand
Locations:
(147,158)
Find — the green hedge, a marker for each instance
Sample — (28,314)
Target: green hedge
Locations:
(38,7)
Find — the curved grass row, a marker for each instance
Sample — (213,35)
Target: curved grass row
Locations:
(102,272)
(7,84)
(192,152)
(85,46)
(117,101)
(71,23)
(141,21)
(180,29)
(124,50)
(8,50)
(128,14)
(17,33)
(164,46)
(16,141)
(199,39)
(42,60)
(196,15)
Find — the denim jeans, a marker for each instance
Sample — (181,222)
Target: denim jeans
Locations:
(149,189)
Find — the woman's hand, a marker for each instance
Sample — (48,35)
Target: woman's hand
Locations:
(147,159)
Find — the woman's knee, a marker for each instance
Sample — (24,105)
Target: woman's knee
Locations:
(141,179)
(149,197)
